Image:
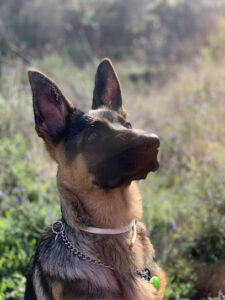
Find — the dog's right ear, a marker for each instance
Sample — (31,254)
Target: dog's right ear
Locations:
(51,107)
(107,91)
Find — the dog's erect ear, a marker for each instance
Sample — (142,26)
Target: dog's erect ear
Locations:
(51,107)
(107,90)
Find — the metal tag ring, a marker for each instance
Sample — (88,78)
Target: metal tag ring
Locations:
(61,229)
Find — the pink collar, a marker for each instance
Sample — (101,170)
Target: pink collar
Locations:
(112,231)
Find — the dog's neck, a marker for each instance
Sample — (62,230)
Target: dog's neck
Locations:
(113,208)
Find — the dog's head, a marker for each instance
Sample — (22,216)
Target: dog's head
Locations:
(114,153)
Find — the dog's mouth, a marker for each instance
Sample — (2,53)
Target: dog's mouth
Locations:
(126,165)
(140,170)
(126,179)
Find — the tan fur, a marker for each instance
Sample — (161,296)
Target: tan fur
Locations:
(140,253)
(108,209)
(162,280)
(56,291)
(50,147)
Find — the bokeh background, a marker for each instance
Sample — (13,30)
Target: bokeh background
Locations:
(170,58)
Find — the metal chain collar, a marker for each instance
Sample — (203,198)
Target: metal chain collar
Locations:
(146,274)
(73,249)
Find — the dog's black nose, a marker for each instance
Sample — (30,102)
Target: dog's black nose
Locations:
(153,140)
(148,142)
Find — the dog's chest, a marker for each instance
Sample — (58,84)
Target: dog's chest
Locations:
(95,282)
(81,277)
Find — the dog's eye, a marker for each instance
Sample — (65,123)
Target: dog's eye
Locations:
(92,136)
(128,125)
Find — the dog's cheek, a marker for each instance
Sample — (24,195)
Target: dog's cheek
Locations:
(74,175)
(80,173)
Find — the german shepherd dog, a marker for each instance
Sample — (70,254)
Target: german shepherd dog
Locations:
(99,249)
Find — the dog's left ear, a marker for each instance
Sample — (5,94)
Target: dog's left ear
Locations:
(107,91)
(51,107)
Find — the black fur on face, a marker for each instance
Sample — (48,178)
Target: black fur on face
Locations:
(115,154)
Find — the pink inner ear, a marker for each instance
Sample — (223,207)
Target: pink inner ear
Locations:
(51,113)
(112,91)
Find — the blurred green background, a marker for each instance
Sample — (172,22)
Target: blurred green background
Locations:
(170,58)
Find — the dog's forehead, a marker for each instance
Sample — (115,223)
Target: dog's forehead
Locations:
(80,121)
(105,114)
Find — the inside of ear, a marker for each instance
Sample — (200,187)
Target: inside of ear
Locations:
(50,106)
(107,91)
(51,111)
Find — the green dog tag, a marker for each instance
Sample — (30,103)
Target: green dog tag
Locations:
(155,282)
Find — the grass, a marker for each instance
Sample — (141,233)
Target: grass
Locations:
(184,202)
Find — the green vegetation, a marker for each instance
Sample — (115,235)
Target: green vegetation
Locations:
(184,103)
